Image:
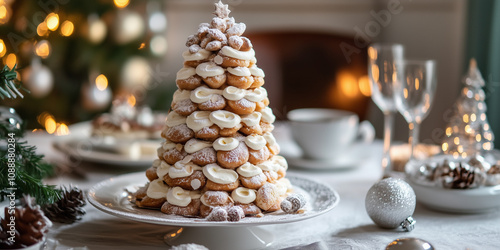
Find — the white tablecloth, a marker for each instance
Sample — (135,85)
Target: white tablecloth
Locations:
(345,227)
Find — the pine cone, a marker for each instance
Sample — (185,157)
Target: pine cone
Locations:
(463,177)
(68,209)
(28,228)
(460,175)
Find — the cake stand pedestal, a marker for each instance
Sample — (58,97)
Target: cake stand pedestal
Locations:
(222,238)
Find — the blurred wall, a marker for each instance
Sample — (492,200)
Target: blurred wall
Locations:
(428,29)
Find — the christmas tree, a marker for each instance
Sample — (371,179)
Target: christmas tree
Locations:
(468,132)
(76,56)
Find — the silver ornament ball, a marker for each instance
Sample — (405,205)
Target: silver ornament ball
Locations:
(409,243)
(390,202)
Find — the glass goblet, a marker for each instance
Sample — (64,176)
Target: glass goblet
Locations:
(414,95)
(383,68)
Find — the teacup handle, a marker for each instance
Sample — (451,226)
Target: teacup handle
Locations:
(366,132)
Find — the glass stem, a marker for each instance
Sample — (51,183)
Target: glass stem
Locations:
(414,133)
(386,159)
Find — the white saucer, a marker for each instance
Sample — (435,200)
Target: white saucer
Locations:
(80,145)
(352,159)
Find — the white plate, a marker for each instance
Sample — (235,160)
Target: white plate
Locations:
(81,146)
(475,200)
(350,160)
(111,196)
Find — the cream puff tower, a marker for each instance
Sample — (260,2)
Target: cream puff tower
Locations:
(219,159)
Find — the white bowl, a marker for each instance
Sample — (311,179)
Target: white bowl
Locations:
(475,200)
(478,200)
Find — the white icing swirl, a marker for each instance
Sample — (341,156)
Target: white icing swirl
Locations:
(281,161)
(225,144)
(183,168)
(157,189)
(156,163)
(180,95)
(162,169)
(269,166)
(248,170)
(233,93)
(282,186)
(209,69)
(202,54)
(220,175)
(167,145)
(239,71)
(243,195)
(256,95)
(267,115)
(174,119)
(243,55)
(203,94)
(251,119)
(270,139)
(185,73)
(225,119)
(195,145)
(255,142)
(198,120)
(179,197)
(255,71)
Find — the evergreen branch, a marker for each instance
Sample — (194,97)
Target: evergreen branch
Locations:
(8,88)
(27,184)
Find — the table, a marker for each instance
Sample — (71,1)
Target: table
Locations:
(345,227)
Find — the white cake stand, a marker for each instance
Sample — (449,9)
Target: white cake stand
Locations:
(112,196)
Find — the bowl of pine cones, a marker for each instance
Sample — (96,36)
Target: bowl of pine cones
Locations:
(458,185)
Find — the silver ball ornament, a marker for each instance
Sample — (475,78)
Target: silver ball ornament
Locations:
(409,243)
(390,204)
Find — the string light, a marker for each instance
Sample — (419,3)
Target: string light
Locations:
(11,60)
(131,100)
(364,86)
(121,3)
(50,125)
(101,82)
(3,49)
(42,29)
(67,28)
(52,21)
(42,49)
(62,129)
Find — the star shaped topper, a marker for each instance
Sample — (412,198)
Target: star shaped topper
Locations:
(221,10)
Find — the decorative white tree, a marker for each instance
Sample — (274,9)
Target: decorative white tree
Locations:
(468,132)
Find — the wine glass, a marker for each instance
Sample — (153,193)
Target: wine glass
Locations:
(414,95)
(383,68)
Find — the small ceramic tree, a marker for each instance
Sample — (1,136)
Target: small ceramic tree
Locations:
(468,132)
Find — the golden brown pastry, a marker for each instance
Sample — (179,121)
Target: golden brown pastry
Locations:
(221,187)
(268,198)
(151,173)
(242,106)
(191,210)
(258,156)
(148,202)
(234,157)
(195,181)
(180,133)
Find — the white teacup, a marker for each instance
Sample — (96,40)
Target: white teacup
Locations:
(327,133)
